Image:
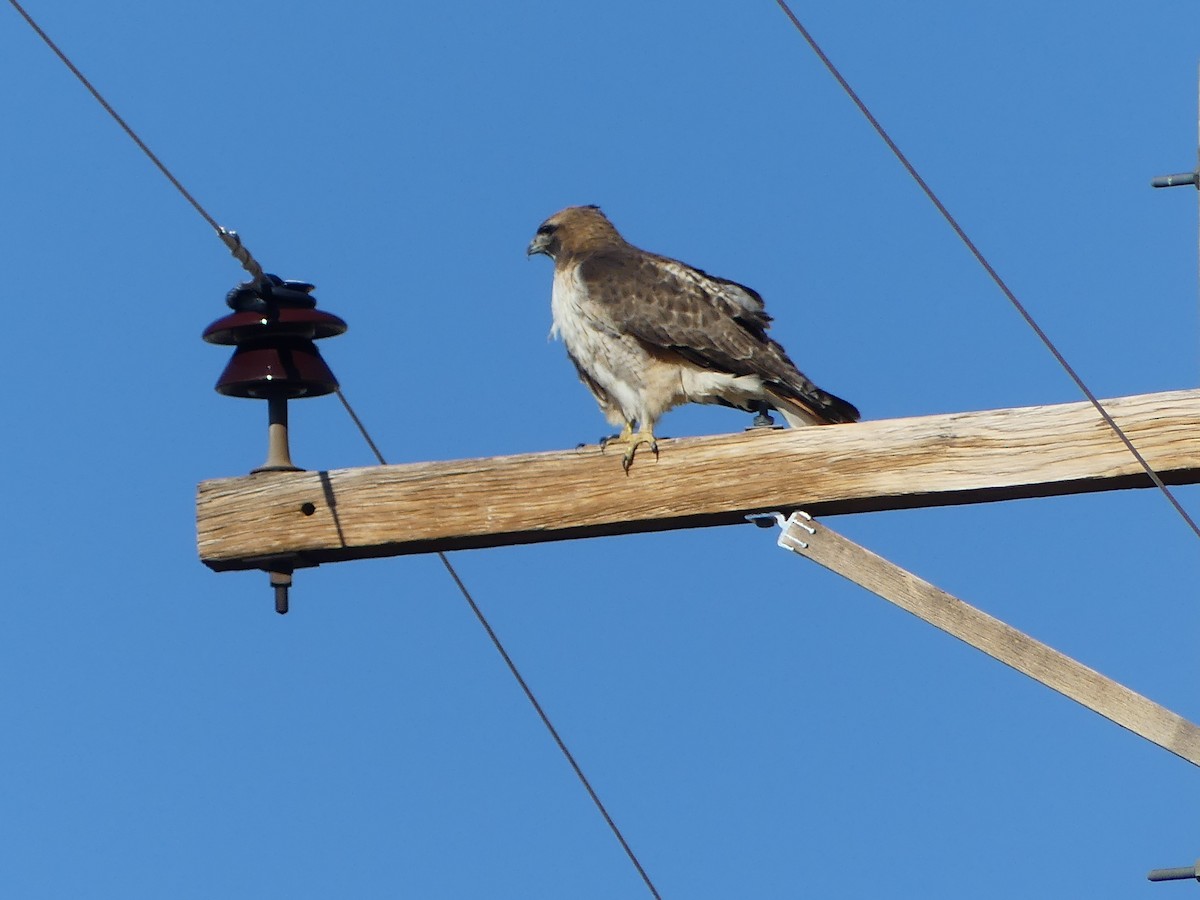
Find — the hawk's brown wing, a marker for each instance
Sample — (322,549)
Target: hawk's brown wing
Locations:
(711,322)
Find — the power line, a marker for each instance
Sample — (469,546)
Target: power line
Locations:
(234,243)
(550,727)
(229,238)
(995,276)
(251,265)
(512,667)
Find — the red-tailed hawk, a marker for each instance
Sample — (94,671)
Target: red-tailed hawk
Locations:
(648,333)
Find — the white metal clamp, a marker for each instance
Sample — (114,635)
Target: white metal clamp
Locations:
(790,528)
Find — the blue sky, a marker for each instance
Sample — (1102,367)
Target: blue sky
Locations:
(757,726)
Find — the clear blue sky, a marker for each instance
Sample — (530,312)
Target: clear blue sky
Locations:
(758,727)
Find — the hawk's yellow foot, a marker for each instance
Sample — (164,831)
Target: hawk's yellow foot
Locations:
(621,438)
(635,441)
(627,436)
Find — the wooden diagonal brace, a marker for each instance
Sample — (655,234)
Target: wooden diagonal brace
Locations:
(998,640)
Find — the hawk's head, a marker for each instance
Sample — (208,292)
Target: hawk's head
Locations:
(572,231)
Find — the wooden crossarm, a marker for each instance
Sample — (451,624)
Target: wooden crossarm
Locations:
(309,518)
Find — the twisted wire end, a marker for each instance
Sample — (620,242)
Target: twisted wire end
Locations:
(240,253)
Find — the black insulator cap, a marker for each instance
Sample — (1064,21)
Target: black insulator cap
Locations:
(273,326)
(271,292)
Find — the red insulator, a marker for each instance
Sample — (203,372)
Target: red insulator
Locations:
(273,328)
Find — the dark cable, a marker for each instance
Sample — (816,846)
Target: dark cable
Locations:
(995,276)
(512,667)
(229,238)
(362,429)
(116,116)
(233,242)
(549,727)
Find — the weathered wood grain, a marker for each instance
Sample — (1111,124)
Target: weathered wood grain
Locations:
(316,517)
(1014,648)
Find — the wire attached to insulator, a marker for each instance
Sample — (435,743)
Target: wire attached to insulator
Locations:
(230,238)
(240,253)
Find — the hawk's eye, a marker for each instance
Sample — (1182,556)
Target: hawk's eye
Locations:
(547,229)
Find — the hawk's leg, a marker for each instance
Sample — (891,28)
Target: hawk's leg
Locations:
(621,438)
(643,435)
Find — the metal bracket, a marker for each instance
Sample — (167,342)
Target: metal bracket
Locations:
(789,538)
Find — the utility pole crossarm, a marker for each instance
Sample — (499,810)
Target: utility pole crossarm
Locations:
(317,517)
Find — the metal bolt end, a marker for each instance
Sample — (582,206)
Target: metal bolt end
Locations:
(763,418)
(281,581)
(1163,181)
(1180,874)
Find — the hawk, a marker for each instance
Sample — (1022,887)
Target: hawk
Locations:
(648,333)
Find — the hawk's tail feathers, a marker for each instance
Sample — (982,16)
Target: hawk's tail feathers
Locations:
(816,407)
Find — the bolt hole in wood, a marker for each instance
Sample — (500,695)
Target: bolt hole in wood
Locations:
(308,508)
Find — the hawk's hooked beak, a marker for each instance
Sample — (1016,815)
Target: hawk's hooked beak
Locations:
(539,244)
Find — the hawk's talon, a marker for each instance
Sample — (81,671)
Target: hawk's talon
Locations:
(642,437)
(627,436)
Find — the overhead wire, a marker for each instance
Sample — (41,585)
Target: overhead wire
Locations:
(991,271)
(229,238)
(512,667)
(235,245)
(233,242)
